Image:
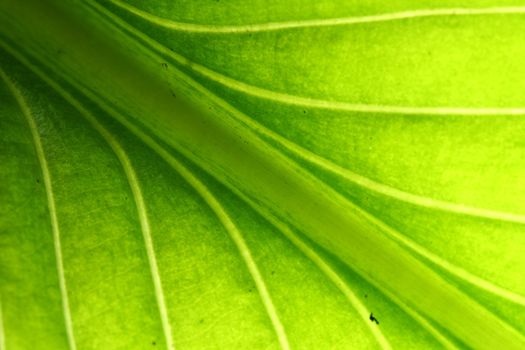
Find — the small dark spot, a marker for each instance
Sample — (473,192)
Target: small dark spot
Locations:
(173,94)
(304,111)
(153,343)
(373,319)
(366,295)
(201,320)
(164,65)
(37,181)
(273,272)
(171,49)
(60,51)
(250,290)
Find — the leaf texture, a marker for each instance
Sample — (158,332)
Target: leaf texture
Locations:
(112,236)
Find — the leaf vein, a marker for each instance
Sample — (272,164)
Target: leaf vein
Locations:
(334,105)
(51,205)
(313,23)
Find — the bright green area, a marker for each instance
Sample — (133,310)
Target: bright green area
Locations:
(276,223)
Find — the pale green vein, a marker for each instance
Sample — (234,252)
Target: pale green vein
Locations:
(337,105)
(273,26)
(141,210)
(329,105)
(2,331)
(144,223)
(51,205)
(201,189)
(389,191)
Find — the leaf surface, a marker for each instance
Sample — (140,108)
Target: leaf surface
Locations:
(121,231)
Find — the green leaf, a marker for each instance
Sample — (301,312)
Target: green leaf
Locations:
(267,175)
